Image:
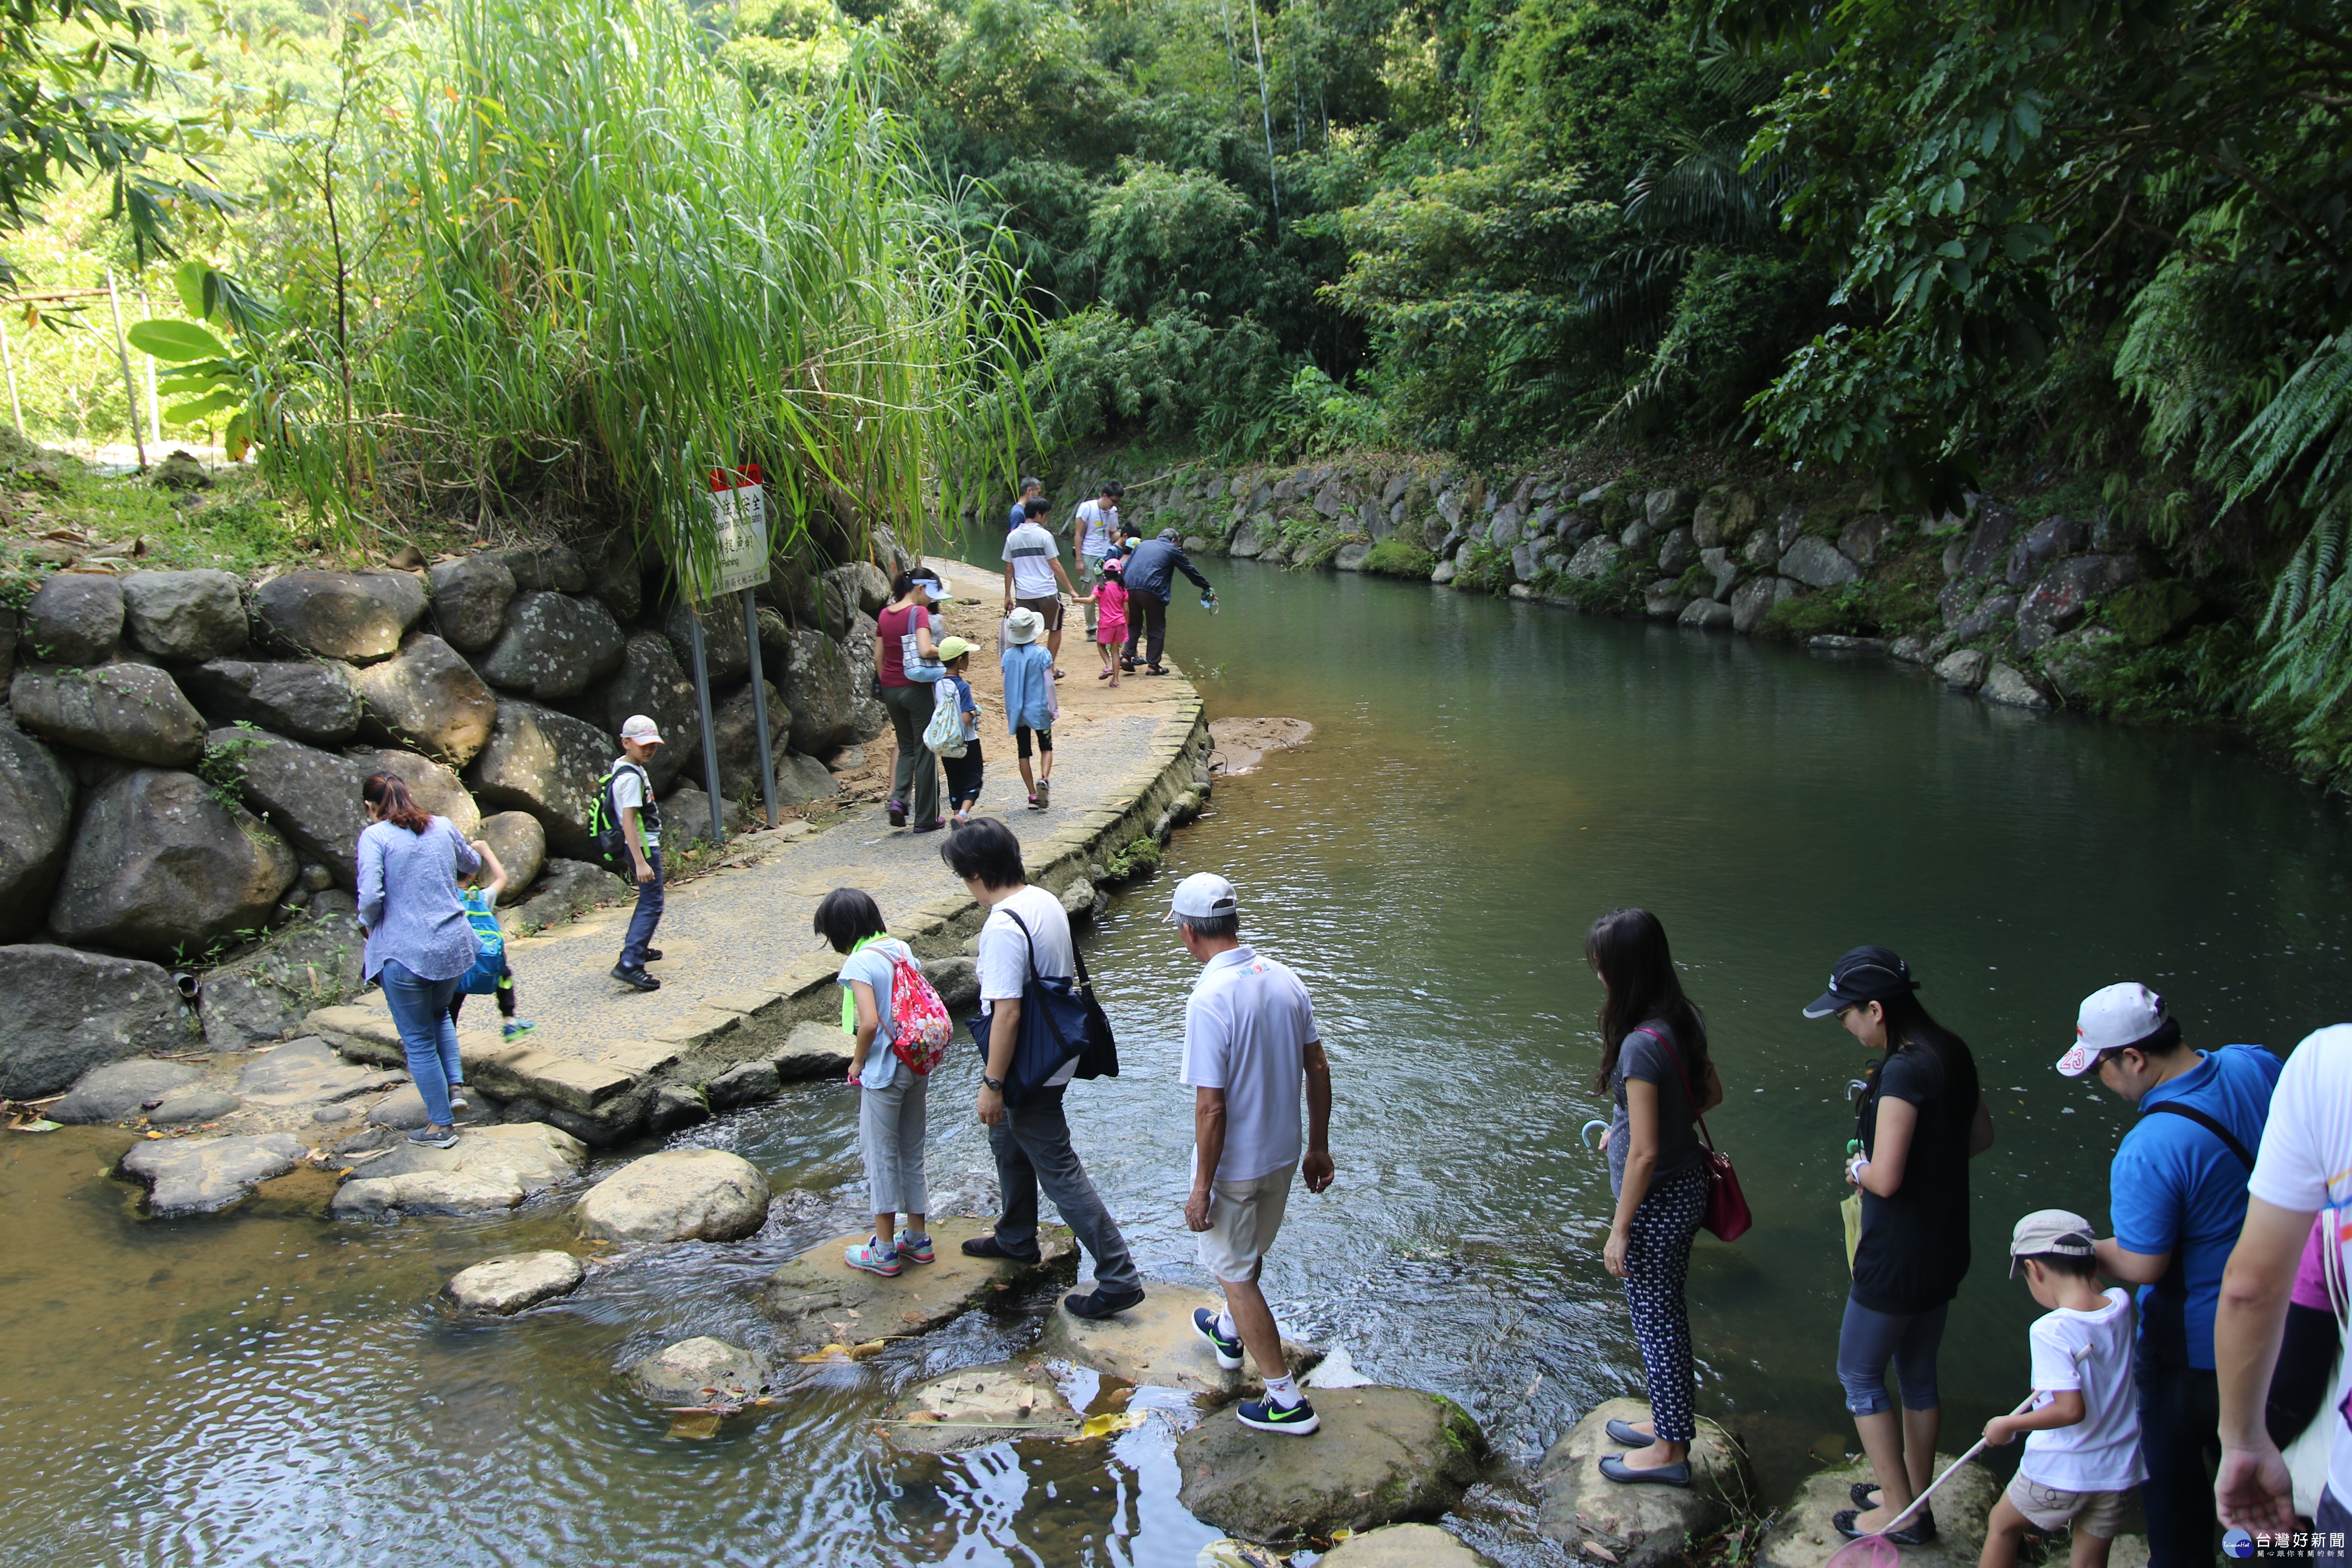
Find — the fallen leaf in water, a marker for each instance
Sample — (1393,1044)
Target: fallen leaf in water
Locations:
(1599,1550)
(44,1125)
(1118,1421)
(925,1415)
(695,1424)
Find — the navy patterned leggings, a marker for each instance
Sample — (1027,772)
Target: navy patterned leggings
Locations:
(1657,1260)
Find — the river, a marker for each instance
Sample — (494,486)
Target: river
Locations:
(1483,780)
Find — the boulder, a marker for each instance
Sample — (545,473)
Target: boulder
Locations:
(817,1300)
(1860,539)
(741,1084)
(1724,516)
(160,868)
(1594,558)
(863,583)
(128,711)
(678,1194)
(434,787)
(547,763)
(1404,1546)
(649,681)
(1723,569)
(867,718)
(1382,1454)
(2012,688)
(1639,1527)
(2058,602)
(117,1092)
(36,804)
(957,980)
(75,617)
(1156,1343)
(734,727)
(675,1105)
(1677,551)
(819,687)
(403,1110)
(686,817)
(490,1169)
(2073,661)
(189,616)
(1350,557)
(1993,610)
(1662,602)
(2043,542)
(1805,1538)
(204,1175)
(1664,509)
(821,1050)
(73,1011)
(469,600)
(310,796)
(978,1406)
(613,576)
(359,616)
(701,1372)
(1987,552)
(193,1105)
(428,700)
(307,1071)
(8,644)
(181,471)
(1909,649)
(310,699)
(553,647)
(1754,599)
(1247,542)
(801,779)
(521,844)
(568,888)
(1963,667)
(505,1286)
(313,963)
(1817,564)
(547,569)
(725,647)
(1706,615)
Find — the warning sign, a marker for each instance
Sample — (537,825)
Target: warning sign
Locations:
(739,511)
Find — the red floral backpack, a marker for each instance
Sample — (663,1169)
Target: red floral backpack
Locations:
(920,1026)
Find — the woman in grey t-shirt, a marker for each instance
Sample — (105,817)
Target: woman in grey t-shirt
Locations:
(1653,1054)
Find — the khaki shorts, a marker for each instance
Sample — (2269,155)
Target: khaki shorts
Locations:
(1242,1218)
(1049,610)
(2047,1508)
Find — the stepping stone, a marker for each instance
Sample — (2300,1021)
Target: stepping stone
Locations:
(1639,1526)
(117,1092)
(1806,1539)
(193,1105)
(204,1175)
(1384,1456)
(678,1194)
(1403,1546)
(977,1406)
(504,1285)
(490,1169)
(701,1372)
(303,1072)
(817,1300)
(1156,1343)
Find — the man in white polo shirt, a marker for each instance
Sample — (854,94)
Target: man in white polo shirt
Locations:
(1249,1044)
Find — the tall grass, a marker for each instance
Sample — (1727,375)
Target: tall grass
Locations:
(609,268)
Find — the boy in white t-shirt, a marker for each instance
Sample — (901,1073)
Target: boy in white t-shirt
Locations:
(2081,1448)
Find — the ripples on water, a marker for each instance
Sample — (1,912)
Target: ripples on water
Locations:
(1484,780)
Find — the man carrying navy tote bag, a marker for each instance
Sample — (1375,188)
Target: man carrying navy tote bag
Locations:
(1024,949)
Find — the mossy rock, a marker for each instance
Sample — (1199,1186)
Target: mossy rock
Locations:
(2147,612)
(1398,556)
(1382,1455)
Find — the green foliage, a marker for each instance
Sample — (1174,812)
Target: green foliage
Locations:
(222,767)
(2146,613)
(1397,556)
(1138,857)
(1861,609)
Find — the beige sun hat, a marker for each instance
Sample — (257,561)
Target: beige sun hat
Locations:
(1023,626)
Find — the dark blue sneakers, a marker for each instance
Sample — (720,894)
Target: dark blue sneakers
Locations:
(1229,1350)
(1265,1416)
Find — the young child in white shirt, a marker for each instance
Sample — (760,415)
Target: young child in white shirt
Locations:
(2081,1447)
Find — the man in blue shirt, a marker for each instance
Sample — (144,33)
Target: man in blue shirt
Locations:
(2178,1193)
(1030,491)
(1150,577)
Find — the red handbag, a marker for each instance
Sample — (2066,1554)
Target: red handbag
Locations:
(1726,1217)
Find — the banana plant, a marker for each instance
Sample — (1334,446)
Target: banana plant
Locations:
(216,377)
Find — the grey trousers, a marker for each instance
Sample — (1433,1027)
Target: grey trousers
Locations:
(914,776)
(1032,1146)
(891,1129)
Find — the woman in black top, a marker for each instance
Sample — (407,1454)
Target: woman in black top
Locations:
(1920,1122)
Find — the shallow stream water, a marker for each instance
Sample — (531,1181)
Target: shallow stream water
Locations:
(1485,778)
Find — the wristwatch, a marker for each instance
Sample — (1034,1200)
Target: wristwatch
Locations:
(995,1083)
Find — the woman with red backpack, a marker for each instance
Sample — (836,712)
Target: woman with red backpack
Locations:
(902,1030)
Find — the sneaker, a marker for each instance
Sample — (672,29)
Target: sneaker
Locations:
(434,1137)
(636,977)
(1229,1350)
(459,1103)
(874,1257)
(653,955)
(989,1246)
(514,1031)
(1045,793)
(916,1249)
(1265,1416)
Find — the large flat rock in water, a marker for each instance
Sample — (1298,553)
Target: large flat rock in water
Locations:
(977,1406)
(701,1372)
(202,1176)
(1384,1456)
(1156,1343)
(504,1285)
(1806,1539)
(817,1300)
(1403,1546)
(491,1168)
(305,1072)
(1638,1525)
(678,1194)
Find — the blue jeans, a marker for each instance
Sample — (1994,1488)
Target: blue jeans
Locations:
(420,1009)
(1868,1340)
(646,917)
(2180,1442)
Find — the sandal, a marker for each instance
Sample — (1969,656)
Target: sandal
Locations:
(1154,670)
(1061,675)
(1102,675)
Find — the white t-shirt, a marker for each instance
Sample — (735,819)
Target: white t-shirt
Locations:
(1100,522)
(1004,957)
(630,788)
(2306,1163)
(2100,1452)
(1031,550)
(1246,1029)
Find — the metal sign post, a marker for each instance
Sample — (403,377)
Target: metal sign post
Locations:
(710,736)
(740,511)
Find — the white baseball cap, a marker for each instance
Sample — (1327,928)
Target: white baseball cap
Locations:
(2127,1014)
(2046,1232)
(641,730)
(1202,896)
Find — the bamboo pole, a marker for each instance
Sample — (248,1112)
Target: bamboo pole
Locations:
(8,356)
(147,363)
(1266,114)
(122,354)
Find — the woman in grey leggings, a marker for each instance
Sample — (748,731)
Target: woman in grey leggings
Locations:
(1920,1122)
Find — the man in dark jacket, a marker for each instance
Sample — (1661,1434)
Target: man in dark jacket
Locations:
(1150,574)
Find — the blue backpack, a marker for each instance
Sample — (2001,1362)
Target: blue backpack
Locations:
(490,942)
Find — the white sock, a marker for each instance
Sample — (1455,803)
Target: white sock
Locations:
(1284,1392)
(1226,1326)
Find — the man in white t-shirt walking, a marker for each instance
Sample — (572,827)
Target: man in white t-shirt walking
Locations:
(1095,527)
(1250,1043)
(2304,1166)
(1033,566)
(632,799)
(1031,1140)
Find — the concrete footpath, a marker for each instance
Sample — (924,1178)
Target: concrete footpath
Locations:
(741,966)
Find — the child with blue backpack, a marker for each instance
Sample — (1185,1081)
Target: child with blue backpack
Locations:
(479,893)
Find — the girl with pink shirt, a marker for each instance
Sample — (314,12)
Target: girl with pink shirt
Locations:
(1109,600)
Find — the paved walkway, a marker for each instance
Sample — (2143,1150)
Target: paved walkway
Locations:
(739,927)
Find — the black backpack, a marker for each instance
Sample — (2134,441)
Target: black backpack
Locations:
(604,820)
